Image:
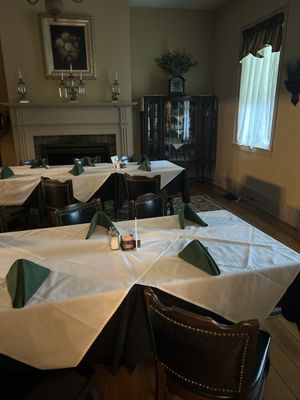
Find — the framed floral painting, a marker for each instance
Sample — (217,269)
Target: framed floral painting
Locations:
(68,46)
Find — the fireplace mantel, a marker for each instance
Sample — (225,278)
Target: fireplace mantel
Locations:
(68,119)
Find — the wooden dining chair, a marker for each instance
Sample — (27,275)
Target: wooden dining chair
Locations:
(77,213)
(148,205)
(203,359)
(57,194)
(137,185)
(14,218)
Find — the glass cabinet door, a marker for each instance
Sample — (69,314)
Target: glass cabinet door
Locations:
(183,130)
(179,129)
(152,127)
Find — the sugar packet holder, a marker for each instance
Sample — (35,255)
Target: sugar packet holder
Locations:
(129,243)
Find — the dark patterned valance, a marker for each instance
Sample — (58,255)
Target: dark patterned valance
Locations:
(268,32)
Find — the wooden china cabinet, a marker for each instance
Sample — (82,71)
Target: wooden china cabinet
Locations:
(183,130)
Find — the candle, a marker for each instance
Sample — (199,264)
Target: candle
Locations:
(19,73)
(62,75)
(136,233)
(71,69)
(80,76)
(116,76)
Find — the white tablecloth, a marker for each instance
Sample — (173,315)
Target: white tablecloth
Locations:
(16,189)
(89,281)
(167,170)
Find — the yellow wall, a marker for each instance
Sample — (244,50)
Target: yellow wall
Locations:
(7,150)
(22,47)
(155,31)
(271,180)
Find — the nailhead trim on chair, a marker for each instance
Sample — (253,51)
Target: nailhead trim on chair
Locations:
(205,331)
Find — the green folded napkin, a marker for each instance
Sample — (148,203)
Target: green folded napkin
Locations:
(86,162)
(145,165)
(197,254)
(23,280)
(6,172)
(38,163)
(77,169)
(189,213)
(143,157)
(101,219)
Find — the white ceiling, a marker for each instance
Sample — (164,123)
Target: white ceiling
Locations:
(183,4)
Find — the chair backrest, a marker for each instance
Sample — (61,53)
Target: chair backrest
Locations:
(148,205)
(200,354)
(3,220)
(137,185)
(14,215)
(57,194)
(78,213)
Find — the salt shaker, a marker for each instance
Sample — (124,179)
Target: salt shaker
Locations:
(114,241)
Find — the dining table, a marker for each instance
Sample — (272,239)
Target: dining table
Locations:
(103,180)
(71,318)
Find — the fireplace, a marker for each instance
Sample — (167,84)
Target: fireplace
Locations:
(62,149)
(98,128)
(65,153)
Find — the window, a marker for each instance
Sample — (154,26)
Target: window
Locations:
(260,57)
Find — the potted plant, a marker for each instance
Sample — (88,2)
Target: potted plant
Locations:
(175,63)
(292,83)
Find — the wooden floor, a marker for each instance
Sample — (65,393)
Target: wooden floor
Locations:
(283,381)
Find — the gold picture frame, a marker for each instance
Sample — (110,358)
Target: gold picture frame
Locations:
(68,44)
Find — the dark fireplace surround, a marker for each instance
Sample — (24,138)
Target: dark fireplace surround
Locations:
(62,149)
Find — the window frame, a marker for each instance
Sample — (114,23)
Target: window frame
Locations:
(254,149)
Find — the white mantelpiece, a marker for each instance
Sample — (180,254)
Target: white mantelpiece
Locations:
(47,119)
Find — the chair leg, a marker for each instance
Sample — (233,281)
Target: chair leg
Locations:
(171,206)
(94,394)
(161,389)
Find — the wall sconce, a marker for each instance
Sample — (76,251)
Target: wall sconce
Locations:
(294,88)
(292,83)
(53,7)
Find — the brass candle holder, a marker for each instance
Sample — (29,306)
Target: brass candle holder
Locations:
(115,90)
(71,86)
(22,89)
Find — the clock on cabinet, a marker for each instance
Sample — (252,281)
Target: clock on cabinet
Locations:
(176,86)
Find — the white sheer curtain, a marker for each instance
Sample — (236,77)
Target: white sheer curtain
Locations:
(257,98)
